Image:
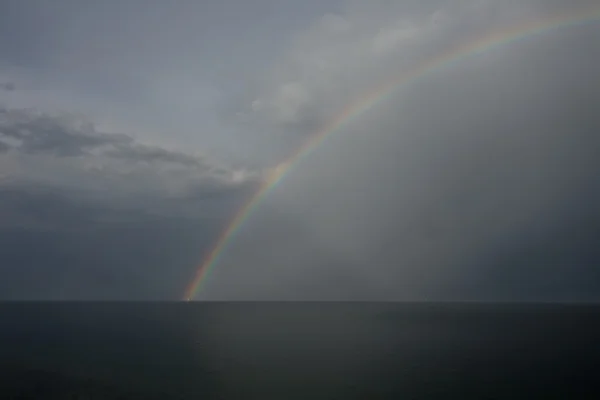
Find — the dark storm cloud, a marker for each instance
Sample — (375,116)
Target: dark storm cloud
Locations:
(39,133)
(560,264)
(58,248)
(100,215)
(152,154)
(128,228)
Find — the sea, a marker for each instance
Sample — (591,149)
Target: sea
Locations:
(89,350)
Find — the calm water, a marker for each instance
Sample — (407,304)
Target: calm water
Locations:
(298,351)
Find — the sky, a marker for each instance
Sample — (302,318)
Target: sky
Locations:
(133,131)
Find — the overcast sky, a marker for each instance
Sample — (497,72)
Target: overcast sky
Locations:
(131,132)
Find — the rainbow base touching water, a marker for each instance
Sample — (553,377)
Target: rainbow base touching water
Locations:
(366,102)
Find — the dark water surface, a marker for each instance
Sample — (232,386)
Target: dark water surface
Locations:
(298,351)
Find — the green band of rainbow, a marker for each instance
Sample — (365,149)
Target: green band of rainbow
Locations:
(367,101)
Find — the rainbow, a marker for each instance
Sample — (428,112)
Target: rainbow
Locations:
(366,102)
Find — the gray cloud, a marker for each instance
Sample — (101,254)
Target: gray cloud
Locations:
(344,55)
(59,248)
(65,149)
(60,136)
(450,189)
(477,182)
(8,86)
(110,62)
(153,154)
(86,214)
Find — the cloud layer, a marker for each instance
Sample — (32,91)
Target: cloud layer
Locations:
(453,187)
(65,151)
(86,214)
(479,181)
